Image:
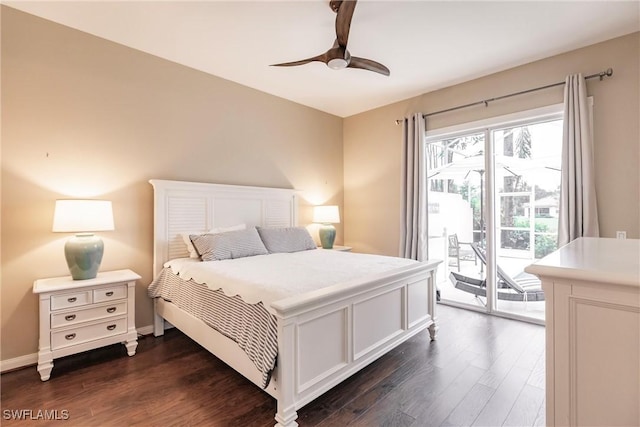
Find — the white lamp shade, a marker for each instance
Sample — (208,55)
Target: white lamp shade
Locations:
(326,214)
(83,216)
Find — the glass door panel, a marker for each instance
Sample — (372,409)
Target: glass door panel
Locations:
(527,190)
(455,193)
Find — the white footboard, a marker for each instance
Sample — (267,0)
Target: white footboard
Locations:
(326,336)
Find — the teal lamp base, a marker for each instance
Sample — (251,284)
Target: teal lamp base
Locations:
(327,233)
(84,255)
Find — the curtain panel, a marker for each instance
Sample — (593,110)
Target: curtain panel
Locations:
(578,210)
(413,232)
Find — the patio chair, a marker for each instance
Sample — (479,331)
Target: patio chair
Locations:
(523,287)
(458,253)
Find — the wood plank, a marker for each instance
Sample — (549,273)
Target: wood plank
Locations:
(498,407)
(525,411)
(537,377)
(541,419)
(451,397)
(410,378)
(470,406)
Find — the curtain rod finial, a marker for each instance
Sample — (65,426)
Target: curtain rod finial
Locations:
(607,73)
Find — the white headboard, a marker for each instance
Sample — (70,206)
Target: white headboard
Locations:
(181,206)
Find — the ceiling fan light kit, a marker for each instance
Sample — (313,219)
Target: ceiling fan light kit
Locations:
(337,64)
(338,57)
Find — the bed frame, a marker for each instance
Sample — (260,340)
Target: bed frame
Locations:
(324,336)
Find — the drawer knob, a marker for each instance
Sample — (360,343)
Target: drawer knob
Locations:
(70,336)
(109,294)
(72,299)
(111,309)
(69,317)
(111,327)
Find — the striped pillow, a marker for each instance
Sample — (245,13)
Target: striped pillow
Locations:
(286,239)
(229,245)
(186,237)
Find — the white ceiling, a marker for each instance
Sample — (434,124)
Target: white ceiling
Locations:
(427,45)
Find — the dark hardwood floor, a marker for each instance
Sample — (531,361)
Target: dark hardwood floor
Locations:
(481,371)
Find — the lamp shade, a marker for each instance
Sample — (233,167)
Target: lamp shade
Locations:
(326,214)
(83,216)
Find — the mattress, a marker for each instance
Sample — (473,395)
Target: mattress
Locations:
(269,278)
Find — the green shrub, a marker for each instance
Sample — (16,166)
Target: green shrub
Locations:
(545,244)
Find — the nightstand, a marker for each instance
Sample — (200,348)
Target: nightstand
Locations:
(80,315)
(338,248)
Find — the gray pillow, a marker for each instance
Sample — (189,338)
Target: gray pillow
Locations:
(286,239)
(229,245)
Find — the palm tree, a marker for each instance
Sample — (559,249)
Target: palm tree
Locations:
(523,143)
(517,143)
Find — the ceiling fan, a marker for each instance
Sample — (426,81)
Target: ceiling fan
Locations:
(338,57)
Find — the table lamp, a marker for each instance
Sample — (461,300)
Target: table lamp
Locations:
(327,216)
(83,251)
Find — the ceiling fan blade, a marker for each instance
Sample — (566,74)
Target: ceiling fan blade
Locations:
(367,64)
(343,21)
(319,58)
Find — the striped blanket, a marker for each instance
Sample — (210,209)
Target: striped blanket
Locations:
(251,326)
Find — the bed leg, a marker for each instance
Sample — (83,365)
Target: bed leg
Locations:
(432,303)
(288,420)
(286,373)
(433,329)
(158,321)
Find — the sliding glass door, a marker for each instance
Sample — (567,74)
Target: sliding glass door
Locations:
(493,198)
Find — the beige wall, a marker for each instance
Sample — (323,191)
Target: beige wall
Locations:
(84,117)
(372,140)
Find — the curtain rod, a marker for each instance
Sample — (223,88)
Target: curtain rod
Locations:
(601,75)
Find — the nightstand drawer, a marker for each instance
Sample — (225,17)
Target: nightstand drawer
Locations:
(75,299)
(81,334)
(87,314)
(109,294)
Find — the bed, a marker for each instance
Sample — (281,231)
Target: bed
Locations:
(322,336)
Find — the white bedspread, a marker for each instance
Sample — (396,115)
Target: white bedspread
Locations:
(272,277)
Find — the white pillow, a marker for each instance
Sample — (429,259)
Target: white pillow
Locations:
(187,241)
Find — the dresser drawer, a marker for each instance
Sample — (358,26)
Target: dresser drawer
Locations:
(82,334)
(86,314)
(110,293)
(75,299)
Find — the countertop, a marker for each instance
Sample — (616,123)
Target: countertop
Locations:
(594,259)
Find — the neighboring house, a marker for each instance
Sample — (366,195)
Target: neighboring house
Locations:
(546,207)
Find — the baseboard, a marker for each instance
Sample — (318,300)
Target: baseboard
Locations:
(145,330)
(32,359)
(18,362)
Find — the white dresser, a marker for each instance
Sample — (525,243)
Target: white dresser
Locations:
(80,315)
(592,293)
